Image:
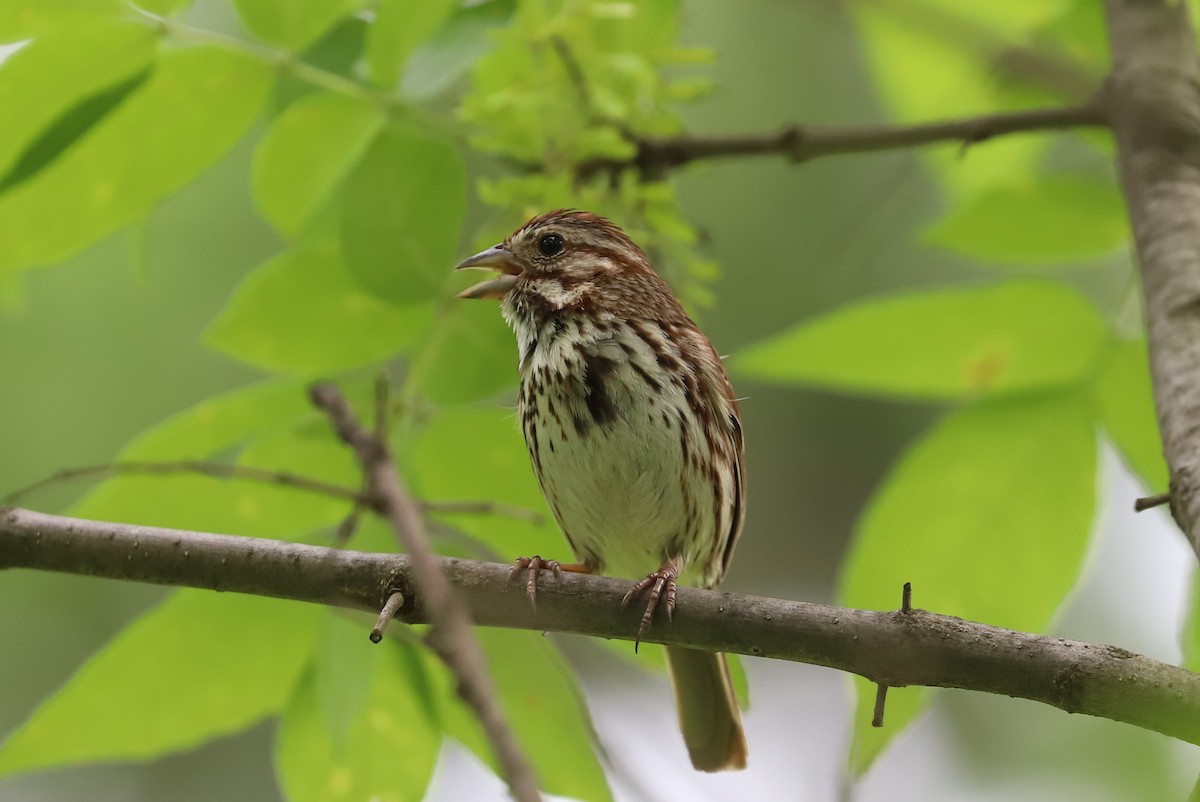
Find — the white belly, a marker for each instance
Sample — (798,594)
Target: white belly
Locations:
(614,473)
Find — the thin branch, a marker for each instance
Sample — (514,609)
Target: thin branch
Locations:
(224,470)
(881,688)
(390,608)
(218,470)
(349,524)
(892,648)
(281,59)
(1155,112)
(654,157)
(1150,502)
(880,703)
(483,508)
(451,636)
(575,73)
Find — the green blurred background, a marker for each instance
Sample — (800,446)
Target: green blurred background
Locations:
(97,349)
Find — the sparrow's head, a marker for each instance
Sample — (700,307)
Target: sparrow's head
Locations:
(565,261)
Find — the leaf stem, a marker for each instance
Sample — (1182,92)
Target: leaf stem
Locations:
(285,62)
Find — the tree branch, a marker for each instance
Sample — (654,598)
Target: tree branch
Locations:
(890,648)
(225,470)
(451,637)
(654,157)
(1154,104)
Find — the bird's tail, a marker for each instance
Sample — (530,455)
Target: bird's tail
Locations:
(708,709)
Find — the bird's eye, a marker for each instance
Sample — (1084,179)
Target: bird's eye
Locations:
(551,244)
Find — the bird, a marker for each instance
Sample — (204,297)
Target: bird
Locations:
(634,434)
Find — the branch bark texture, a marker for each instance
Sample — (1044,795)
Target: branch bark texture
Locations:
(1153,103)
(655,157)
(891,648)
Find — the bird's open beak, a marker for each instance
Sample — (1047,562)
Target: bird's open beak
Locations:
(498,259)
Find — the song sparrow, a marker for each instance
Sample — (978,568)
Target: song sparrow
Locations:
(634,433)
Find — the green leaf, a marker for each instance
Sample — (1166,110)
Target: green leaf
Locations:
(1127,408)
(946,343)
(197,103)
(163,7)
(223,421)
(403,208)
(314,452)
(544,708)
(272,419)
(71,126)
(400,26)
(454,49)
(1063,218)
(343,669)
(1000,492)
(387,746)
(23,19)
(467,454)
(307,152)
(293,24)
(69,62)
(935,55)
(468,353)
(198,667)
(1081,34)
(302,313)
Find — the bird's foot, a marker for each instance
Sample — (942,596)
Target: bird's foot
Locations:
(532,567)
(661,585)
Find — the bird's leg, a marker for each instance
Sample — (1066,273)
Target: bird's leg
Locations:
(533,566)
(661,584)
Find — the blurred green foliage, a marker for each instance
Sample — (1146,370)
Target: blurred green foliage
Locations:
(366,172)
(197,667)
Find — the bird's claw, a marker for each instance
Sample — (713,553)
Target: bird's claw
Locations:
(532,566)
(661,585)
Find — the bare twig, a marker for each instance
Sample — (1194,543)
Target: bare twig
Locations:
(1150,502)
(881,688)
(1155,113)
(921,648)
(484,508)
(880,702)
(654,157)
(222,470)
(393,604)
(383,391)
(349,524)
(575,73)
(451,636)
(219,470)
